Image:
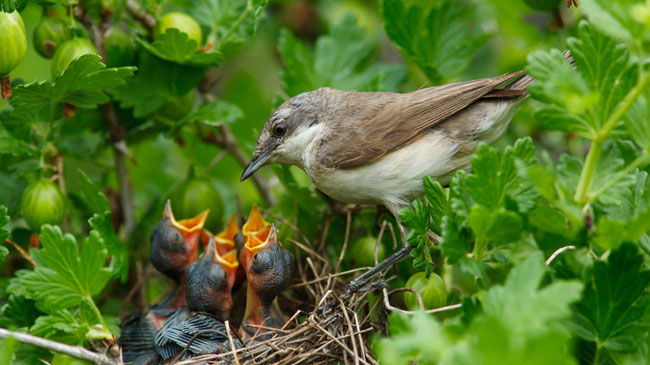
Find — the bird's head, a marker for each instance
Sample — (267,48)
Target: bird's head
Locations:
(269,269)
(208,282)
(174,244)
(288,131)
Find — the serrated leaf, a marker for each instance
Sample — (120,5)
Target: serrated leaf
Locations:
(176,46)
(637,123)
(436,198)
(495,176)
(498,227)
(214,114)
(103,225)
(455,242)
(620,19)
(338,61)
(432,35)
(582,99)
(156,82)
(18,312)
(611,307)
(68,274)
(96,201)
(81,84)
(232,21)
(12,145)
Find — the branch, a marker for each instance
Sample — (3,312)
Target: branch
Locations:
(116,130)
(135,10)
(22,252)
(76,351)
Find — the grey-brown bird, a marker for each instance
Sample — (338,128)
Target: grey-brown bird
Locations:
(376,147)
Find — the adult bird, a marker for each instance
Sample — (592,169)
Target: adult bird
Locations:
(173,248)
(199,328)
(376,147)
(268,269)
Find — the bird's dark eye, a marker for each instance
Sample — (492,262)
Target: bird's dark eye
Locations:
(177,238)
(280,129)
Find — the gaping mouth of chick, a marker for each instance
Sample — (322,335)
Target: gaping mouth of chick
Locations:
(227,260)
(255,223)
(258,240)
(227,237)
(186,225)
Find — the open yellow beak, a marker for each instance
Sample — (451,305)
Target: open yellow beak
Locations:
(189,228)
(227,237)
(255,222)
(229,263)
(186,225)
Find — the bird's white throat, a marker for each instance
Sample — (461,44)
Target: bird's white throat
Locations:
(297,148)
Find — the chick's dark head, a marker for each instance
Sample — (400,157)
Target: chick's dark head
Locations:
(269,270)
(207,287)
(174,244)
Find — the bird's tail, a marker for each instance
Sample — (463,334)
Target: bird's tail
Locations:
(522,82)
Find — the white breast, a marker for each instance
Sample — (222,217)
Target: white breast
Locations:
(392,180)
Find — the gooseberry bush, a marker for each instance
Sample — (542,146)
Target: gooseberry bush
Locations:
(540,252)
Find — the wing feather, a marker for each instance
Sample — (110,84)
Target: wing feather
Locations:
(378,128)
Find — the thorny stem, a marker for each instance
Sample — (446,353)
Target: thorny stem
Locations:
(76,351)
(597,146)
(115,128)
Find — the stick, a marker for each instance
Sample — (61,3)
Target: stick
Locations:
(76,351)
(22,252)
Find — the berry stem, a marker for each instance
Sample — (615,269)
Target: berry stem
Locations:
(5,84)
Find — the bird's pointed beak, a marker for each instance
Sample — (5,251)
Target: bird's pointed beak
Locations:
(258,161)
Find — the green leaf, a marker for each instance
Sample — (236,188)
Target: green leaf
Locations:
(175,46)
(7,348)
(495,176)
(4,233)
(434,37)
(9,144)
(103,225)
(498,227)
(582,99)
(636,122)
(414,339)
(95,199)
(436,198)
(620,19)
(232,22)
(81,84)
(338,61)
(456,242)
(156,82)
(68,274)
(214,114)
(611,310)
(19,312)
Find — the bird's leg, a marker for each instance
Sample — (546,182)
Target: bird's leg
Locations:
(358,283)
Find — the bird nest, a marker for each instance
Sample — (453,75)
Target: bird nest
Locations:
(323,328)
